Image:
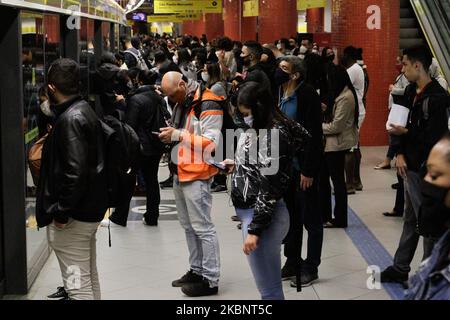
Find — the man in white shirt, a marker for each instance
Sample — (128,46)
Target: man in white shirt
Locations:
(353,158)
(356,74)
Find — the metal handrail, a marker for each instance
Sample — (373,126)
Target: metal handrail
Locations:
(434,21)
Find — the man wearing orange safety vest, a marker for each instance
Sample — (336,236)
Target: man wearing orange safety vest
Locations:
(197,122)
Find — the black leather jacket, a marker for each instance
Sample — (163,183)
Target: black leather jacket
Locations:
(70,184)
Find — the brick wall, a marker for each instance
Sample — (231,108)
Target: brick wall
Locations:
(315,18)
(349,27)
(231,19)
(248,28)
(210,24)
(193,27)
(277,19)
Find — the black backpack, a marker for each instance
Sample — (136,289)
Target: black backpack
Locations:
(119,159)
(161,118)
(228,122)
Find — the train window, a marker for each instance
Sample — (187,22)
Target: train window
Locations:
(105,33)
(87,56)
(40,47)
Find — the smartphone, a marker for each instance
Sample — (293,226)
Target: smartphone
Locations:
(156,133)
(218,165)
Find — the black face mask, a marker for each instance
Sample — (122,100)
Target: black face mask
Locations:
(331,58)
(246,61)
(433,214)
(281,77)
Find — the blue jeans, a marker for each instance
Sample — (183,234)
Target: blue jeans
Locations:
(265,261)
(194,201)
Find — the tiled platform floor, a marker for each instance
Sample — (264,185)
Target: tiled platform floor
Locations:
(144,260)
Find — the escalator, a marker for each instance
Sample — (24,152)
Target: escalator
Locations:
(411,34)
(433,17)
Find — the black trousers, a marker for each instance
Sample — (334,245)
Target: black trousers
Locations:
(149,166)
(303,207)
(333,167)
(400,196)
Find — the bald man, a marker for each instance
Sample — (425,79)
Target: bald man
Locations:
(197,122)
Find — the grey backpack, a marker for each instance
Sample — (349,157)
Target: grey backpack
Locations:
(139,59)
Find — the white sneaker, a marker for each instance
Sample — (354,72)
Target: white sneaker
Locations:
(105,223)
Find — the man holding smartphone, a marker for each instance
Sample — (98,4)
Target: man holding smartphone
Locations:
(197,123)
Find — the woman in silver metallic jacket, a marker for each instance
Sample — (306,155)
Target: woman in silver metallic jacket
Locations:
(262,168)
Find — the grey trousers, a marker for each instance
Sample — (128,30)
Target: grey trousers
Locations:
(194,201)
(75,249)
(410,238)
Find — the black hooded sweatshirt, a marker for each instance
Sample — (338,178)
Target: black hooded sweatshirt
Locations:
(426,125)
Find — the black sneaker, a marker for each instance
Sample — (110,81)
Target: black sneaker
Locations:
(219,188)
(395,186)
(199,289)
(392,275)
(306,279)
(60,294)
(189,277)
(288,271)
(235,218)
(151,222)
(115,220)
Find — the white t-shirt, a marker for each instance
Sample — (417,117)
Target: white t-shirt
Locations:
(356,74)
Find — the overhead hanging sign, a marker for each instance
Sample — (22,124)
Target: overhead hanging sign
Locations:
(174,17)
(162,18)
(181,6)
(309,4)
(251,8)
(189,16)
(167,29)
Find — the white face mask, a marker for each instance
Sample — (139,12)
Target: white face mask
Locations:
(249,120)
(205,76)
(175,59)
(279,46)
(315,51)
(45,108)
(303,49)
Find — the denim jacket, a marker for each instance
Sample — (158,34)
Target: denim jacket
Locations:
(427,284)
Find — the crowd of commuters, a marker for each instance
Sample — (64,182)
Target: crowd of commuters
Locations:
(179,97)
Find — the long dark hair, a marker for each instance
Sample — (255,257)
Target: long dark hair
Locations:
(214,72)
(270,65)
(324,53)
(183,56)
(339,81)
(260,101)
